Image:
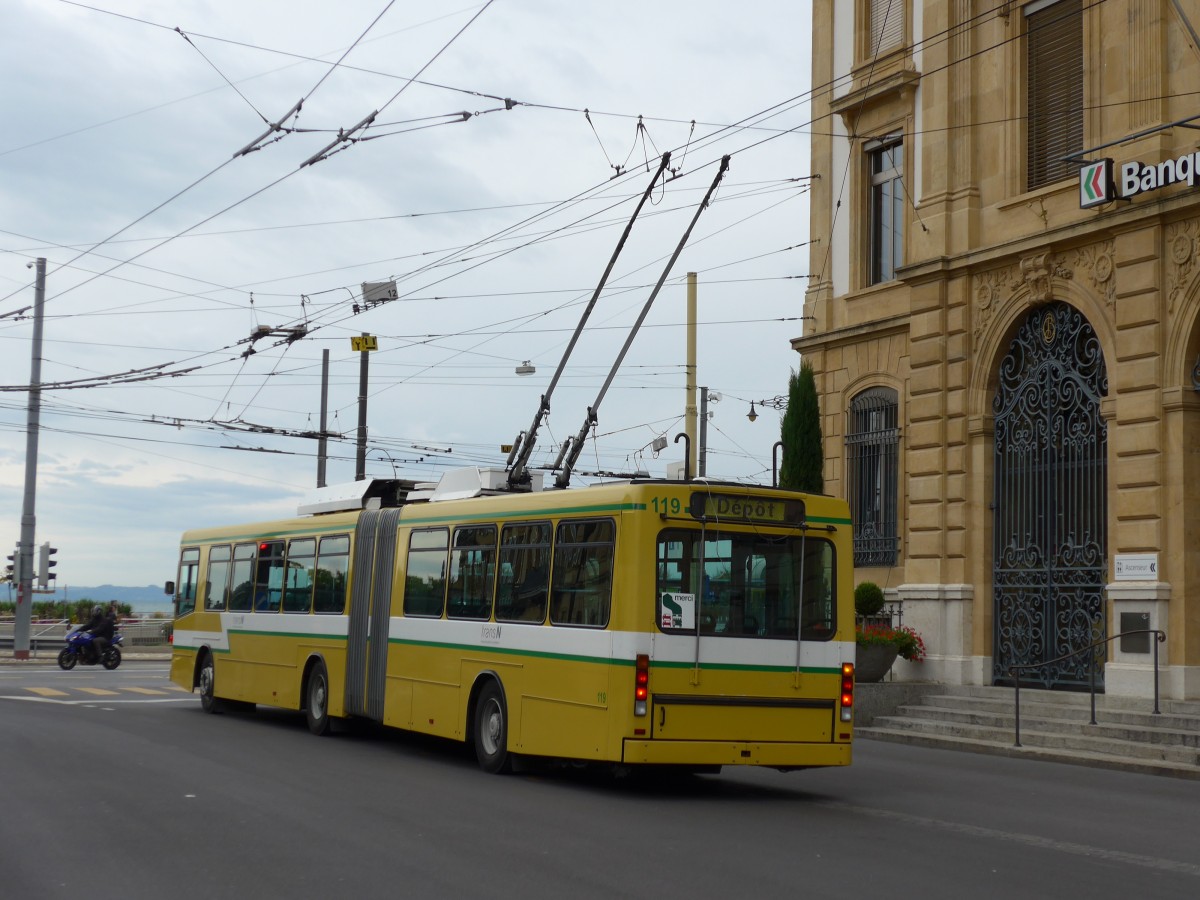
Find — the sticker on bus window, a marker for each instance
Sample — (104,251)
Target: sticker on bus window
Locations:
(677,610)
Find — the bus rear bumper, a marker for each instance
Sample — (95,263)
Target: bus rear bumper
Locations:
(735,753)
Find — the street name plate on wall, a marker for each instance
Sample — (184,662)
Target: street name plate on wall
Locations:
(1135,567)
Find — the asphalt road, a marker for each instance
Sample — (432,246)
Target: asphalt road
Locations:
(136,793)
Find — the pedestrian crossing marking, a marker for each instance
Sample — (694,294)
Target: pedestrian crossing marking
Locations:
(47,692)
(99,692)
(142,690)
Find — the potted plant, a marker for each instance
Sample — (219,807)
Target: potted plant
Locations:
(879,645)
(868,600)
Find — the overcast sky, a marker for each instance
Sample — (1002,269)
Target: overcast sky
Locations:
(492,188)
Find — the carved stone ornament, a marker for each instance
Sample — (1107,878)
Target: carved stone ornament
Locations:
(990,288)
(1181,251)
(1097,262)
(1037,273)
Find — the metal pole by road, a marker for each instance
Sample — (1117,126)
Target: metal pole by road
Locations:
(322,446)
(24,615)
(360,457)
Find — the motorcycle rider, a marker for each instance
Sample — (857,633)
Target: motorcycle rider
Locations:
(102,628)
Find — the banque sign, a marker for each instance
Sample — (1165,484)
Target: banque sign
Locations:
(1101,182)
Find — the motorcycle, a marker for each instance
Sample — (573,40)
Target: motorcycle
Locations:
(80,650)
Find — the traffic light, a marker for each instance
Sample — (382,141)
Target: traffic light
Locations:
(12,571)
(46,564)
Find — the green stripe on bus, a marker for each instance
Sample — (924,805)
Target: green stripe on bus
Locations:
(341,638)
(524,514)
(605,660)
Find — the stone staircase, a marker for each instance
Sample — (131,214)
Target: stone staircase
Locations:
(1055,725)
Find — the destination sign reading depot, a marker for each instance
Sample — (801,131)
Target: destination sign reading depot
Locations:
(733,508)
(1101,182)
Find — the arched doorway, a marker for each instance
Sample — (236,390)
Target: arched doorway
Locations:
(1050,501)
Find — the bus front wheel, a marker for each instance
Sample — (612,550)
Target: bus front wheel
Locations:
(208,700)
(491,730)
(317,707)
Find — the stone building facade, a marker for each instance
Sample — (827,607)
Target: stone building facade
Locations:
(1005,327)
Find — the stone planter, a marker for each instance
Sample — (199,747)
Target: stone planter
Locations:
(872,661)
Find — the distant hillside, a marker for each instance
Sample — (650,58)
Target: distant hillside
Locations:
(143,599)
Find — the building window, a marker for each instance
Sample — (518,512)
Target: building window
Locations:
(886,161)
(872,440)
(887,25)
(1054,84)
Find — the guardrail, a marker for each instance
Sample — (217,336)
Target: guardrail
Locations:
(43,633)
(1160,636)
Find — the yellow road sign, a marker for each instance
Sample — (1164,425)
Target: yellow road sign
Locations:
(364,342)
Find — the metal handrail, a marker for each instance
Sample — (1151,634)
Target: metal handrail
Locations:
(1160,636)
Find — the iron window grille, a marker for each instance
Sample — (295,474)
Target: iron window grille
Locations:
(872,443)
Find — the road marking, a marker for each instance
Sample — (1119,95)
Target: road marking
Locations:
(1153,863)
(142,690)
(47,692)
(99,692)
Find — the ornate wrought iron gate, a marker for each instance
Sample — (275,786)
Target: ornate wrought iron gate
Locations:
(1050,500)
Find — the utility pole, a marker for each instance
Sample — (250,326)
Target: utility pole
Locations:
(24,616)
(364,345)
(322,448)
(703,449)
(689,407)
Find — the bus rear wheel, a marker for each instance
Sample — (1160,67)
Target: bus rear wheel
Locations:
(491,731)
(316,708)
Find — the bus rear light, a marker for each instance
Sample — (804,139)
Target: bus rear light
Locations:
(847,711)
(641,684)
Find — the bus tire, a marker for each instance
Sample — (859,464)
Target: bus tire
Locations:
(316,700)
(491,730)
(207,682)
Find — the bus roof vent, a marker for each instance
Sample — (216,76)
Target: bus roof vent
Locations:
(373,494)
(472,481)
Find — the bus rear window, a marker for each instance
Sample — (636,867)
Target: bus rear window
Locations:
(745,585)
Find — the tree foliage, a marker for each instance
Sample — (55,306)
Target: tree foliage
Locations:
(803,452)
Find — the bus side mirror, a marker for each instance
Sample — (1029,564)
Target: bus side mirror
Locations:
(169,588)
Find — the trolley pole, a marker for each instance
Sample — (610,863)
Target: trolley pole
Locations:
(24,615)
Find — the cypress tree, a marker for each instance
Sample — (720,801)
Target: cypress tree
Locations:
(803,453)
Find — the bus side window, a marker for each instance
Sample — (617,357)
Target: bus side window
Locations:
(425,572)
(216,591)
(332,564)
(583,567)
(298,578)
(472,571)
(241,590)
(189,573)
(268,580)
(524,566)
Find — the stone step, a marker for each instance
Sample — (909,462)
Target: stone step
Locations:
(1055,726)
(1006,748)
(1040,733)
(1139,727)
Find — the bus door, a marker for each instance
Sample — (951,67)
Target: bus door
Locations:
(370,612)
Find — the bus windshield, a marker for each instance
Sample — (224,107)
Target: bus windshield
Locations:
(734,584)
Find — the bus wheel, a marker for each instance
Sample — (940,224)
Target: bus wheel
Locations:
(317,706)
(491,730)
(208,700)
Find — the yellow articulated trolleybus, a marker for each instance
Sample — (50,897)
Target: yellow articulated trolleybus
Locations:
(646,622)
